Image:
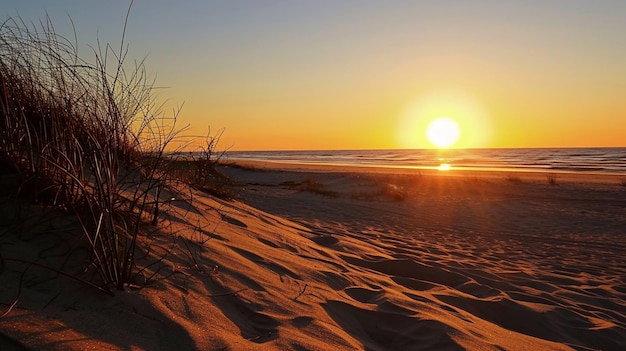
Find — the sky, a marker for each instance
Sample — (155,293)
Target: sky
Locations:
(364,74)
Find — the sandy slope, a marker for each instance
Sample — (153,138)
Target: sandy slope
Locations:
(326,260)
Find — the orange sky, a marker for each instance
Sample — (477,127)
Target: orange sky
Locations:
(372,74)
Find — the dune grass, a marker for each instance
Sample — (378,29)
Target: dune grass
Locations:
(552,178)
(312,185)
(87,137)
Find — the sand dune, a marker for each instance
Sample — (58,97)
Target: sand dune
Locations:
(310,260)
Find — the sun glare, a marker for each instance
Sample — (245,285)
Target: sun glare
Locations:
(444,167)
(422,123)
(443,132)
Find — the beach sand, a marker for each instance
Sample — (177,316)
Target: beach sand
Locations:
(333,258)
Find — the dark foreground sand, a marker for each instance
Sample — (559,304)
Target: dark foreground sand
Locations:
(320,259)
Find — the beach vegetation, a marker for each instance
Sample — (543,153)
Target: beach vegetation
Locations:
(311,185)
(200,169)
(243,167)
(314,186)
(88,138)
(393,187)
(393,191)
(552,178)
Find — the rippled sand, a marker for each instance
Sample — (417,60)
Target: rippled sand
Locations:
(305,259)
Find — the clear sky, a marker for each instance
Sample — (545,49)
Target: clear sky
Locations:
(353,74)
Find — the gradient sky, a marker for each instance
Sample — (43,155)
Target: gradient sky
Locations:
(372,74)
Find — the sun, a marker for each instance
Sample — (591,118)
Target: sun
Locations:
(441,119)
(443,132)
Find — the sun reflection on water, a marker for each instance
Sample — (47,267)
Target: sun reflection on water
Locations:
(444,167)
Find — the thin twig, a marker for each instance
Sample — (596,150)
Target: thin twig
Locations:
(301,292)
(19,293)
(191,255)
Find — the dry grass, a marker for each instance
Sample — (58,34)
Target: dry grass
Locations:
(552,178)
(86,137)
(244,167)
(312,185)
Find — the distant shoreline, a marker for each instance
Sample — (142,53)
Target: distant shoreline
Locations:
(587,161)
(504,174)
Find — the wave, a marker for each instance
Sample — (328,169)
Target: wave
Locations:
(603,160)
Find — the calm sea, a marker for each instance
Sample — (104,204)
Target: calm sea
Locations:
(587,160)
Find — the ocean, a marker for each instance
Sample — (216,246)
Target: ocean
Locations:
(567,160)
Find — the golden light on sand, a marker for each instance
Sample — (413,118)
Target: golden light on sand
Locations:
(443,132)
(422,124)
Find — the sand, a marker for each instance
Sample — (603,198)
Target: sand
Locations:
(310,258)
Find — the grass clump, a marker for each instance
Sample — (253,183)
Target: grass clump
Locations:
(312,185)
(85,137)
(552,178)
(200,169)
